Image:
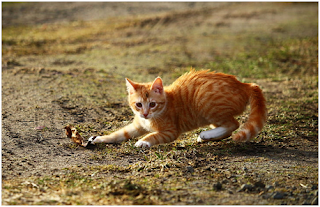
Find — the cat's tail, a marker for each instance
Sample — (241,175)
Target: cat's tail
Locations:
(257,117)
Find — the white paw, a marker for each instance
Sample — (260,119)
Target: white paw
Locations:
(141,143)
(93,139)
(204,135)
(214,133)
(199,139)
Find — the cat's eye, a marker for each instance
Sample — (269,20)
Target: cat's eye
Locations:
(139,105)
(152,104)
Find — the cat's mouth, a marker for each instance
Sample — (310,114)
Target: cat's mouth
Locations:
(145,116)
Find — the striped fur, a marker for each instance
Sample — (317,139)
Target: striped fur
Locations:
(194,100)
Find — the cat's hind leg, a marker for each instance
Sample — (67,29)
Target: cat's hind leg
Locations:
(215,134)
(223,130)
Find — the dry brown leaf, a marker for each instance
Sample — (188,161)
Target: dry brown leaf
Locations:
(72,133)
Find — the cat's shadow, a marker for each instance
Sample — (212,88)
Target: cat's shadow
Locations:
(261,149)
(228,148)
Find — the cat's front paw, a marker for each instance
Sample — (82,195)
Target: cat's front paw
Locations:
(92,140)
(141,143)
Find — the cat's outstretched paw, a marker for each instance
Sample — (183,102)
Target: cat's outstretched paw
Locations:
(141,143)
(92,139)
(90,144)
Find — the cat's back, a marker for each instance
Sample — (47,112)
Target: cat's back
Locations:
(205,80)
(196,91)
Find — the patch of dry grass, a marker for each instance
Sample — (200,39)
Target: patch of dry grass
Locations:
(92,58)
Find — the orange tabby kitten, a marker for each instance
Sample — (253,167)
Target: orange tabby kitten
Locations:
(194,100)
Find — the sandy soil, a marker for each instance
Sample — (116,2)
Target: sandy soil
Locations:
(37,100)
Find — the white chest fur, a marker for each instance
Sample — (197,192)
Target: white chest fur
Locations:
(146,124)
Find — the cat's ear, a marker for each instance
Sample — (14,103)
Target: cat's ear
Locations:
(131,86)
(157,86)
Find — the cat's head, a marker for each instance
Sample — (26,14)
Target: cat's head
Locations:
(146,99)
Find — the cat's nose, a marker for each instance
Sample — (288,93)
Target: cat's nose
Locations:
(145,115)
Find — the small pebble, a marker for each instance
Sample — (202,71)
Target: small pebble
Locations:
(245,187)
(190,169)
(217,186)
(277,195)
(259,184)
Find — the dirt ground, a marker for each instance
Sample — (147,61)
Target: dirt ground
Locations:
(49,82)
